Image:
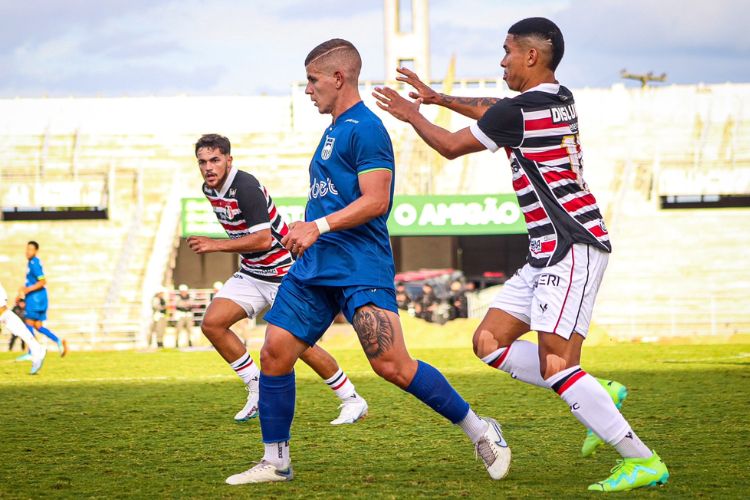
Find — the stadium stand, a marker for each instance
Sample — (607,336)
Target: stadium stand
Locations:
(673,273)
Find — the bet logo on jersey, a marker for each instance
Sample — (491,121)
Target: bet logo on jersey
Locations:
(327,148)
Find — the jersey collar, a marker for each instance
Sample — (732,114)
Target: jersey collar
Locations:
(227,183)
(550,88)
(345,113)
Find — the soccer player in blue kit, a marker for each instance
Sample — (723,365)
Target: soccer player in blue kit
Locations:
(344,263)
(35,293)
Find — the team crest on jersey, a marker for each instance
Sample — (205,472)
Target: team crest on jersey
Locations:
(535,245)
(233,192)
(231,212)
(327,148)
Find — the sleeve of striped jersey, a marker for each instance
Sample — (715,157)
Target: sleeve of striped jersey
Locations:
(501,126)
(254,206)
(372,148)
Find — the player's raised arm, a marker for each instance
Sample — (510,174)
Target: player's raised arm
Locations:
(449,144)
(473,107)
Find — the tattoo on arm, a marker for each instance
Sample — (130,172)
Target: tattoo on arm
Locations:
(374,330)
(470,101)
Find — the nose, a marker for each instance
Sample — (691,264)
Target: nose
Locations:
(308,89)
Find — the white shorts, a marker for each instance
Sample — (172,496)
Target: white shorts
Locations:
(253,295)
(556,299)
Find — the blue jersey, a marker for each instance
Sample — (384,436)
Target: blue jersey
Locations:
(361,256)
(37,300)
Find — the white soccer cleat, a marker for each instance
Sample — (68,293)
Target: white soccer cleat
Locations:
(353,409)
(251,407)
(37,362)
(263,472)
(494,450)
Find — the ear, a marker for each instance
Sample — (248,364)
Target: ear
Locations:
(532,57)
(340,79)
(229,160)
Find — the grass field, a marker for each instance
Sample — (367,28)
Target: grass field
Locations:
(127,424)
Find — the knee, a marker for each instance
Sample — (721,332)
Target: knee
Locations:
(484,342)
(274,360)
(550,364)
(393,372)
(211,327)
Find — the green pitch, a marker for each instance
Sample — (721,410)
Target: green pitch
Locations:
(160,425)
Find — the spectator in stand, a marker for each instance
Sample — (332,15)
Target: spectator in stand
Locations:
(459,303)
(20,310)
(183,316)
(427,303)
(402,298)
(159,324)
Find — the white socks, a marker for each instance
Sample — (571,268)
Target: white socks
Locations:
(631,446)
(247,370)
(341,385)
(17,328)
(277,454)
(593,407)
(521,360)
(473,426)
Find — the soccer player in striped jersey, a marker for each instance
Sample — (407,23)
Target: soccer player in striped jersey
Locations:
(9,320)
(255,228)
(569,246)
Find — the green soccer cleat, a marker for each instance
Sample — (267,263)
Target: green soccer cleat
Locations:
(618,393)
(631,473)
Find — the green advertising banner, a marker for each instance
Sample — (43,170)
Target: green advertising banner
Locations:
(430,215)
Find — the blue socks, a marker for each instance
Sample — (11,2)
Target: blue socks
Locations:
(276,406)
(44,331)
(432,388)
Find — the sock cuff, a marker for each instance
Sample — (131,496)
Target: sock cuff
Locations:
(276,383)
(496,358)
(336,379)
(420,378)
(241,361)
(562,381)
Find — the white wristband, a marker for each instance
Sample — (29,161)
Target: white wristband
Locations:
(322,224)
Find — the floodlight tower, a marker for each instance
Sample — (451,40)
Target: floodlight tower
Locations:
(407,37)
(643,78)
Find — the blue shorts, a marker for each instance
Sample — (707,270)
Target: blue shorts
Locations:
(306,311)
(40,315)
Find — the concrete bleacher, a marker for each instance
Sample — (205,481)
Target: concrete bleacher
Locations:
(669,274)
(94,269)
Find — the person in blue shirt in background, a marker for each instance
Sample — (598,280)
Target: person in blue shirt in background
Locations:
(345,264)
(35,293)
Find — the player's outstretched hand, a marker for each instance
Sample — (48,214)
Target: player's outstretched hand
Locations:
(300,237)
(390,100)
(423,91)
(201,244)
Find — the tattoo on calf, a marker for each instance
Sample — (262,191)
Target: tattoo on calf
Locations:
(374,330)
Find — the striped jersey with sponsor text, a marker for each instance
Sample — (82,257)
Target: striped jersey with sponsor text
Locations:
(539,131)
(243,206)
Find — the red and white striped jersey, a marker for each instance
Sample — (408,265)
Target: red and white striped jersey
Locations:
(243,206)
(539,131)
